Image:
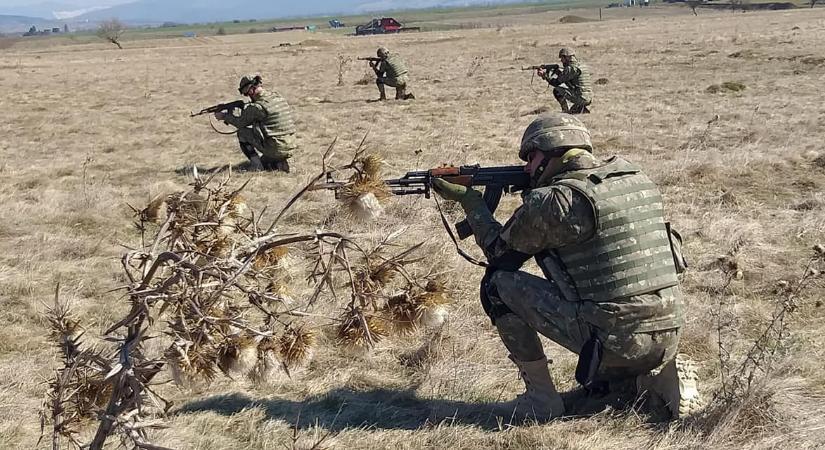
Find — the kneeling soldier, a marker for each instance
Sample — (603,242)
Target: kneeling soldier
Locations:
(266,128)
(609,293)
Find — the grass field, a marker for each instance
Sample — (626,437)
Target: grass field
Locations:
(90,128)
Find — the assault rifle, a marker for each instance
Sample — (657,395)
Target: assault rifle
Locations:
(219,107)
(545,67)
(369,58)
(495,180)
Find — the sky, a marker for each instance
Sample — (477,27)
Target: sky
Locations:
(185,11)
(45,8)
(76,3)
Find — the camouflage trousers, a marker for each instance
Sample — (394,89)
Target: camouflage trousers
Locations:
(278,148)
(400,82)
(522,305)
(564,95)
(400,85)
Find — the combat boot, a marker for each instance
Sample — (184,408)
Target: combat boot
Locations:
(255,163)
(409,96)
(673,387)
(540,401)
(382,92)
(400,93)
(282,165)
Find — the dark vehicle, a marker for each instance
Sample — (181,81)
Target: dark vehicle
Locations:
(383,25)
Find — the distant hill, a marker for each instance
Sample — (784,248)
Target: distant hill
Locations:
(191,11)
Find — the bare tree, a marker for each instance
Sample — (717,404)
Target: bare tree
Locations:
(111,30)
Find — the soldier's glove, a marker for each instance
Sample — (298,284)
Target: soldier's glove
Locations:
(554,82)
(468,198)
(220,115)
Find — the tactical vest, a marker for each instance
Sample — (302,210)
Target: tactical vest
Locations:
(583,85)
(630,253)
(279,116)
(394,66)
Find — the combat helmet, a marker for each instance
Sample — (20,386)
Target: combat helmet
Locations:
(248,80)
(382,52)
(567,51)
(554,134)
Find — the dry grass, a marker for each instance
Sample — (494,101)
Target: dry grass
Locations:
(94,128)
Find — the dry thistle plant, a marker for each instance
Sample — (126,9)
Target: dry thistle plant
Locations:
(743,375)
(359,331)
(343,67)
(417,307)
(365,190)
(476,64)
(208,282)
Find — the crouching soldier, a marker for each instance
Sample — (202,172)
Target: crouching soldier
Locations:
(571,83)
(266,126)
(390,70)
(610,291)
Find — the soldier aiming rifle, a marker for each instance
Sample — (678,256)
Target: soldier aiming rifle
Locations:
(390,70)
(571,82)
(266,128)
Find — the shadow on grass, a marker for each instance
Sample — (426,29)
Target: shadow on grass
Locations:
(340,409)
(244,166)
(387,409)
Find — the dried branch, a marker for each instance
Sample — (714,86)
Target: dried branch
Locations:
(203,284)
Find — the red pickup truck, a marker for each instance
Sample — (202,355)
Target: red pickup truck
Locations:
(383,25)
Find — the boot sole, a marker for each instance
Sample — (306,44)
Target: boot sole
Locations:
(675,387)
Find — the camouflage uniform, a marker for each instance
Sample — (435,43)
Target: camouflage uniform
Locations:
(610,290)
(636,320)
(391,71)
(635,314)
(572,83)
(266,125)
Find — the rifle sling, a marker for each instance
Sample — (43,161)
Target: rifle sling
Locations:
(458,249)
(219,131)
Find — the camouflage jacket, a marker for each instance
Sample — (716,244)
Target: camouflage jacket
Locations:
(576,76)
(269,112)
(558,216)
(393,67)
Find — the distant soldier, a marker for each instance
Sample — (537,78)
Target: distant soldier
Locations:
(390,70)
(265,126)
(610,291)
(571,83)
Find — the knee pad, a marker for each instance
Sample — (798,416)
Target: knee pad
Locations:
(490,300)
